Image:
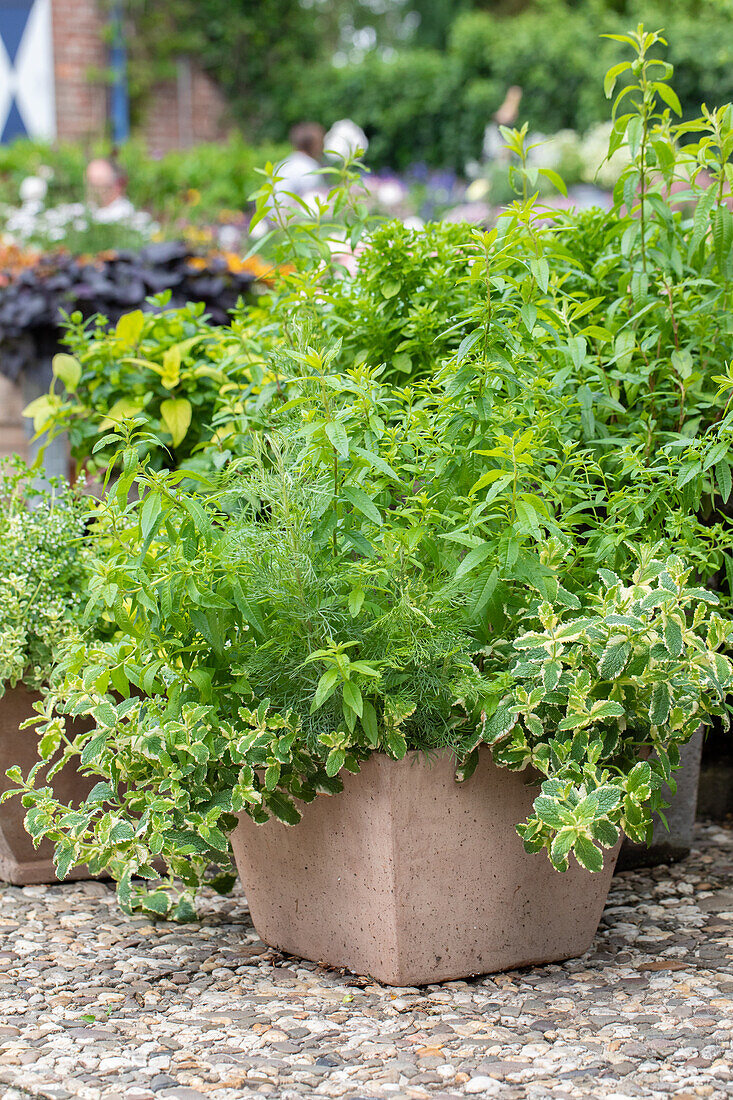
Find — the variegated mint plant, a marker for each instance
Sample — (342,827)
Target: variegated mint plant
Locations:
(601,702)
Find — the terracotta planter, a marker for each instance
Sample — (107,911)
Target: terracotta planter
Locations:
(21,863)
(413,878)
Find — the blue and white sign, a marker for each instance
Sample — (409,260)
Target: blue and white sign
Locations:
(27,101)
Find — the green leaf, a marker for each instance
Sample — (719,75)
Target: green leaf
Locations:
(176,415)
(356,599)
(614,659)
(183,911)
(541,271)
(362,503)
(551,672)
(247,611)
(369,723)
(660,704)
(335,761)
(605,833)
(336,433)
(326,687)
(606,708)
(283,809)
(588,855)
(555,179)
(501,722)
(673,637)
(157,903)
(100,792)
(609,81)
(561,846)
(549,811)
(668,94)
(63,861)
(499,479)
(149,513)
(473,559)
(68,370)
(724,480)
(352,697)
(607,798)
(701,219)
(129,328)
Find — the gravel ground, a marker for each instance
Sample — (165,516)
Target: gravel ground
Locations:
(98,1006)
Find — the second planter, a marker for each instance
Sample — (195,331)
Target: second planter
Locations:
(20,863)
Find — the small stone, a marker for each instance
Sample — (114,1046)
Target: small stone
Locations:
(162,1081)
(182,1092)
(485,1086)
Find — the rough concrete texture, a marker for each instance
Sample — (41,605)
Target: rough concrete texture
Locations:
(412,877)
(95,1005)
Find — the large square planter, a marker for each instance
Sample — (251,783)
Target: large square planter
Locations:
(411,877)
(20,863)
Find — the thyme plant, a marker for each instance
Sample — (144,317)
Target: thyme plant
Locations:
(45,565)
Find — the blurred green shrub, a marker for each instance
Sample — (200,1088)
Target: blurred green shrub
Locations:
(195,184)
(430,105)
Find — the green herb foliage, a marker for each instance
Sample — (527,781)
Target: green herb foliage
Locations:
(45,566)
(505,542)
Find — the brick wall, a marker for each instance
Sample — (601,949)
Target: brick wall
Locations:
(184,112)
(179,113)
(79,50)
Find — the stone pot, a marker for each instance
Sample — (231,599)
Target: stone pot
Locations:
(673,843)
(20,863)
(413,878)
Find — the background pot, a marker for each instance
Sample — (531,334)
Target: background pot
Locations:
(21,863)
(413,878)
(673,844)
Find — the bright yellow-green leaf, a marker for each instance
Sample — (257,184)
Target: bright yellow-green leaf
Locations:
(171,373)
(130,328)
(68,370)
(176,415)
(41,410)
(123,409)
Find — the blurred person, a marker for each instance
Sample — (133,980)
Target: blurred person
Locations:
(343,140)
(299,172)
(106,184)
(506,115)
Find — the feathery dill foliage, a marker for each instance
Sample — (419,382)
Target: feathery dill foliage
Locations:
(43,568)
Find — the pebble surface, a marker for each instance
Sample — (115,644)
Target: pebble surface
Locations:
(95,1005)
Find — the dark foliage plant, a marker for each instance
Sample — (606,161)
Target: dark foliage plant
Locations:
(514,548)
(35,301)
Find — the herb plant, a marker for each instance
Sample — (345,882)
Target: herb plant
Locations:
(45,566)
(366,581)
(497,530)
